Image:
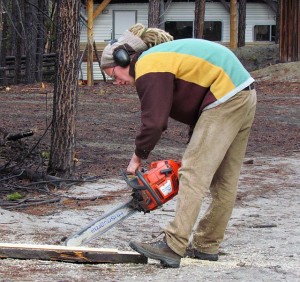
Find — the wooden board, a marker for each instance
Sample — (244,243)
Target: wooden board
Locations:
(69,254)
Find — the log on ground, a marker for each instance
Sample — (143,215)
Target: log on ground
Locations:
(69,254)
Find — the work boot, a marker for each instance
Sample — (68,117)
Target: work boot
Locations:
(158,250)
(194,253)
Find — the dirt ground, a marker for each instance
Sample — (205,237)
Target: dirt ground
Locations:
(262,239)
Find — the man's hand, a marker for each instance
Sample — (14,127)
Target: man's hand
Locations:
(134,164)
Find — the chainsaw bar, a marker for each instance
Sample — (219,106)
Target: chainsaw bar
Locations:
(101,225)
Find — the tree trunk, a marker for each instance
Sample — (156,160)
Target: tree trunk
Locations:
(199,18)
(242,23)
(31,37)
(161,15)
(289,47)
(277,33)
(62,150)
(154,13)
(51,29)
(3,49)
(17,17)
(43,9)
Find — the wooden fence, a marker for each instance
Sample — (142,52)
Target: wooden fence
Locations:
(8,72)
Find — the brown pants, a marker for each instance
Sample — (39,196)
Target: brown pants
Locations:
(212,160)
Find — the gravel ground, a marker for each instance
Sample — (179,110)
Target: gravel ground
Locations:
(262,240)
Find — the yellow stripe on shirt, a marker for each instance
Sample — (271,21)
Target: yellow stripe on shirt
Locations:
(189,68)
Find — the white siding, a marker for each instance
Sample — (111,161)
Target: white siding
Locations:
(103,29)
(103,23)
(257,14)
(213,12)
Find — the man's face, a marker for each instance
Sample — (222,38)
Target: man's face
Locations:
(120,75)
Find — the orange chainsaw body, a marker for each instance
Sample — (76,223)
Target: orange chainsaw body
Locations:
(157,185)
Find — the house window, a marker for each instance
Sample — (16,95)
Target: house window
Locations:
(264,32)
(184,29)
(180,29)
(212,31)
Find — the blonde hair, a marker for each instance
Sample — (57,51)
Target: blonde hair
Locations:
(151,36)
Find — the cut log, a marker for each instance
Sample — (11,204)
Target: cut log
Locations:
(69,254)
(20,135)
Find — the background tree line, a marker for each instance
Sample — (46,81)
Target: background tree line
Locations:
(27,30)
(32,28)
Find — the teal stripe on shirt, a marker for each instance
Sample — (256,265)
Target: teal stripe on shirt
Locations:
(212,52)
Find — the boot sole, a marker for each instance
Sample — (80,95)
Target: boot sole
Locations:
(167,262)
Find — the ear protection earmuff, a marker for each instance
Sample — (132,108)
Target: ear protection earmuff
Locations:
(121,55)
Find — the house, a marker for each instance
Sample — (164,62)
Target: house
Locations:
(178,19)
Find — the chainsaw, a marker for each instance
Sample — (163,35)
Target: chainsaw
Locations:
(150,190)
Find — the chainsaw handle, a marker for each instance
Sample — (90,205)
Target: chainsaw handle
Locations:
(132,183)
(148,187)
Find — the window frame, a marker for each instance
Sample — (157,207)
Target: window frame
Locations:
(191,21)
(193,28)
(272,29)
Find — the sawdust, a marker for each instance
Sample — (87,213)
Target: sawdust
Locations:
(262,239)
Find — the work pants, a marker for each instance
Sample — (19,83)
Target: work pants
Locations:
(212,161)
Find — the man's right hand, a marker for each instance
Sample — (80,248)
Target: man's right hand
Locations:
(134,164)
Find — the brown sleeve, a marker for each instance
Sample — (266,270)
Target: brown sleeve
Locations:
(155,91)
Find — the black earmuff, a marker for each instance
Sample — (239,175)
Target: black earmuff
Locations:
(121,57)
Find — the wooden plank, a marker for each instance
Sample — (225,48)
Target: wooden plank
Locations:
(69,254)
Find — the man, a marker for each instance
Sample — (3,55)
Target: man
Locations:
(202,84)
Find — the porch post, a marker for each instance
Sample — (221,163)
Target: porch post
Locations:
(90,40)
(233,39)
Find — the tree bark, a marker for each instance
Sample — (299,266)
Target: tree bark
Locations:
(90,40)
(289,47)
(18,16)
(242,23)
(49,48)
(41,34)
(199,18)
(277,34)
(31,36)
(154,13)
(3,49)
(62,150)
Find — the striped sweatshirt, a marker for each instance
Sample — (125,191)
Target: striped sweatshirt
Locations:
(180,79)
